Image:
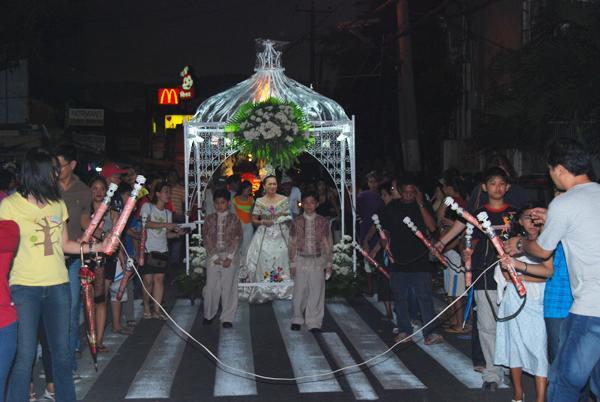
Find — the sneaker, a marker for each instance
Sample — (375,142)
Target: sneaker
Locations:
(76,377)
(47,396)
(489,386)
(315,330)
(295,327)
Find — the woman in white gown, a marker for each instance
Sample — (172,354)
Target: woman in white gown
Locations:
(267,261)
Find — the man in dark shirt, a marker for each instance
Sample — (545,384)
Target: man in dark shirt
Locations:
(412,269)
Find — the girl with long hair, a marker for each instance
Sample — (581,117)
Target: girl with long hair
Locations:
(39,281)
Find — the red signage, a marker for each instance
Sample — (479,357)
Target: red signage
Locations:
(168,96)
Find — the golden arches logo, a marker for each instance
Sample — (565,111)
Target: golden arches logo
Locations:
(168,96)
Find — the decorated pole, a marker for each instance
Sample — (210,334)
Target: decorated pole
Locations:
(383,237)
(143,236)
(449,201)
(468,271)
(371,260)
(468,252)
(115,234)
(99,214)
(86,276)
(127,273)
(408,222)
(487,226)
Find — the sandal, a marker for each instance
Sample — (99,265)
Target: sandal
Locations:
(159,316)
(434,339)
(102,349)
(147,316)
(403,337)
(455,330)
(123,331)
(33,397)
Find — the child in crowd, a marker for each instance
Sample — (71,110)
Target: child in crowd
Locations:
(310,256)
(222,234)
(521,341)
(501,216)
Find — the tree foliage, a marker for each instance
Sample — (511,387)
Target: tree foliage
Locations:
(551,81)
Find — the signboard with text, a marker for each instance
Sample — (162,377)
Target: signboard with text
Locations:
(85,117)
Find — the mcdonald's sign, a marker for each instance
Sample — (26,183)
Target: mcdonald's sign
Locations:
(168,96)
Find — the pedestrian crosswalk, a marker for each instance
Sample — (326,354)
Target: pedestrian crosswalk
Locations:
(351,334)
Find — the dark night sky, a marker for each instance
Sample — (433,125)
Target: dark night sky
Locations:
(150,41)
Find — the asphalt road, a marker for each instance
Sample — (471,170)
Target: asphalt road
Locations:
(159,363)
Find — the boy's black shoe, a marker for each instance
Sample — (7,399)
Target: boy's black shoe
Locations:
(227,325)
(489,386)
(296,327)
(206,321)
(315,330)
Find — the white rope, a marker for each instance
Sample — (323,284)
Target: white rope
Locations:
(305,377)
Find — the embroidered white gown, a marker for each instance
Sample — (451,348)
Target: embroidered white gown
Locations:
(267,271)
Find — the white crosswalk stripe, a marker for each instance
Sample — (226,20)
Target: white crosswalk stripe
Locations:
(235,349)
(360,385)
(389,370)
(155,377)
(457,363)
(304,352)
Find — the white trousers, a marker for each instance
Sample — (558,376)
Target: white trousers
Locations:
(308,300)
(486,325)
(221,285)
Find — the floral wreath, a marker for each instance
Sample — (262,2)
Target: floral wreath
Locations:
(272,130)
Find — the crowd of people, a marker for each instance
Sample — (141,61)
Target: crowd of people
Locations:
(277,244)
(555,252)
(44,211)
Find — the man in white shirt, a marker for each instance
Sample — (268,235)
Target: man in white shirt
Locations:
(573,219)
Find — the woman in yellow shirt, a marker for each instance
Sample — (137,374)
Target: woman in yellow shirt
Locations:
(39,280)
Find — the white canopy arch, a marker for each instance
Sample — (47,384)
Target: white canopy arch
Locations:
(206,145)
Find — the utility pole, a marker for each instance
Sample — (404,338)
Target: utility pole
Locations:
(312,38)
(407,110)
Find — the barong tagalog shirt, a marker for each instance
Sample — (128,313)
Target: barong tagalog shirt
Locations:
(310,236)
(225,240)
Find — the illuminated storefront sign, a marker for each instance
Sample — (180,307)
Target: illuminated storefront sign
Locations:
(168,96)
(174,120)
(187,84)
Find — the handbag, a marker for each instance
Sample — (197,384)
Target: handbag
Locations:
(156,259)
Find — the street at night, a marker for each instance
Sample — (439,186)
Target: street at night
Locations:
(299,200)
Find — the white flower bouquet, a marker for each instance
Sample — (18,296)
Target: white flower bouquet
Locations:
(274,131)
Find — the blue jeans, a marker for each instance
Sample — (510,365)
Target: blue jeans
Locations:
(52,304)
(8,349)
(553,326)
(75,285)
(578,359)
(420,283)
